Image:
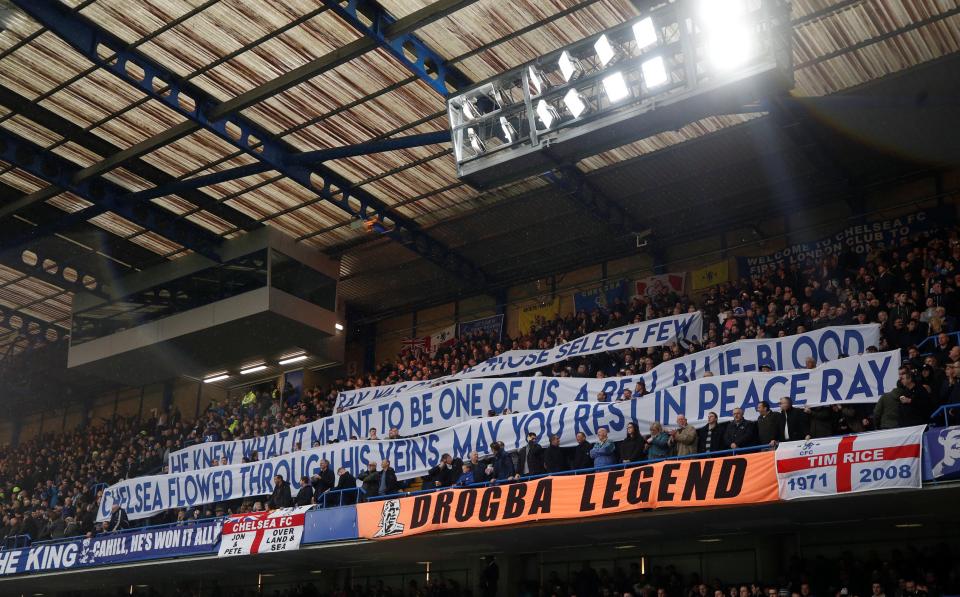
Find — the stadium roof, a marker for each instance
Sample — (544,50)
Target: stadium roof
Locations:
(296,76)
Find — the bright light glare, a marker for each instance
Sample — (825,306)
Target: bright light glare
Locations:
(654,72)
(574,103)
(604,50)
(719,14)
(338,326)
(731,47)
(615,86)
(250,370)
(645,33)
(291,360)
(545,112)
(215,378)
(567,66)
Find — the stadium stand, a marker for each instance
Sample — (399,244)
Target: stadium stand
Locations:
(463,297)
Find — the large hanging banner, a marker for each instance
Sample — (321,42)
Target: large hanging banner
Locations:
(491,326)
(191,538)
(656,332)
(850,381)
(438,408)
(888,459)
(659,284)
(779,354)
(857,238)
(529,313)
(263,532)
(601,297)
(941,453)
(734,480)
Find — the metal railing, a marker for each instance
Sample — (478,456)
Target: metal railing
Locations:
(947,410)
(933,340)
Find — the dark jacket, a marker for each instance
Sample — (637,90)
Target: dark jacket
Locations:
(716,438)
(581,456)
(347,481)
(554,459)
(821,421)
(445,476)
(532,455)
(743,433)
(304,496)
(118,521)
(918,410)
(371,482)
(323,481)
(392,485)
(281,497)
(503,466)
(770,428)
(795,421)
(480,471)
(631,448)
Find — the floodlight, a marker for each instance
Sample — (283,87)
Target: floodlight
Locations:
(475,142)
(731,47)
(645,33)
(253,369)
(604,50)
(574,103)
(654,72)
(568,66)
(509,133)
(216,378)
(293,359)
(469,110)
(718,14)
(615,86)
(338,326)
(546,113)
(536,79)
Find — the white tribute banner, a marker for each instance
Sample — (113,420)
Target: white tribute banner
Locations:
(430,409)
(779,354)
(887,459)
(684,328)
(852,380)
(263,532)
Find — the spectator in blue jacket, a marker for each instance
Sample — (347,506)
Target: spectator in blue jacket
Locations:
(502,466)
(658,442)
(466,477)
(604,451)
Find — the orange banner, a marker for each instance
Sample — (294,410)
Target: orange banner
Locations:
(746,479)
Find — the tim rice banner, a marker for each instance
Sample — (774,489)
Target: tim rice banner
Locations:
(849,381)
(656,332)
(654,286)
(602,297)
(148,544)
(490,326)
(856,238)
(941,453)
(454,403)
(888,459)
(263,532)
(779,354)
(736,480)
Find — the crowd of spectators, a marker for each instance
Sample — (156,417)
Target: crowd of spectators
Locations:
(49,485)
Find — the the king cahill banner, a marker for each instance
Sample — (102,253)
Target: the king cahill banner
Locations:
(734,480)
(857,238)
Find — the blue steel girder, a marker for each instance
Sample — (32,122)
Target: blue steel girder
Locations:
(372,20)
(109,52)
(103,194)
(55,274)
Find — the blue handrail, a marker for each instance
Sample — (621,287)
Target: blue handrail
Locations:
(933,339)
(582,471)
(945,409)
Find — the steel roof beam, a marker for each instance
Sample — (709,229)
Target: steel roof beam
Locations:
(109,52)
(105,196)
(371,147)
(8,313)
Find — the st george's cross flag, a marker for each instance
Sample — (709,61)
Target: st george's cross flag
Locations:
(888,459)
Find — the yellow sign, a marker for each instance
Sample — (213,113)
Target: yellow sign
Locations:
(530,312)
(705,277)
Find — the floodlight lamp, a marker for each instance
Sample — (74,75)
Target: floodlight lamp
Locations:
(731,47)
(469,110)
(509,133)
(567,65)
(654,72)
(604,50)
(720,14)
(475,142)
(546,113)
(574,103)
(615,87)
(645,33)
(535,79)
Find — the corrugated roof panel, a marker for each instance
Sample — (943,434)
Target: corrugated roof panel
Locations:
(41,65)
